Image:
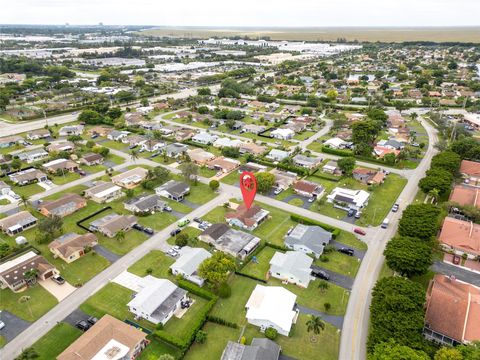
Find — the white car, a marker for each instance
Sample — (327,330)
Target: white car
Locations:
(2,324)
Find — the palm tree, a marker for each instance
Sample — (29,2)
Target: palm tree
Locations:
(323,285)
(315,324)
(120,236)
(28,354)
(30,276)
(434,194)
(24,200)
(133,155)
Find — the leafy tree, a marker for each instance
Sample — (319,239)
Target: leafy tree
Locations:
(24,200)
(364,133)
(224,290)
(392,351)
(331,94)
(437,178)
(120,236)
(231,152)
(447,353)
(216,268)
(181,240)
(75,138)
(397,313)
(471,351)
(16,164)
(346,164)
(91,117)
(467,148)
(408,256)
(327,306)
(390,158)
(205,91)
(271,333)
(323,286)
(189,171)
(315,324)
(166,357)
(447,160)
(201,337)
(419,220)
(49,228)
(265,182)
(214,185)
(377,114)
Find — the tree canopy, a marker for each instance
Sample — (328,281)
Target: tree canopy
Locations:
(408,256)
(216,268)
(265,181)
(393,351)
(419,220)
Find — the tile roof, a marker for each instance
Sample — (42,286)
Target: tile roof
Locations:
(462,235)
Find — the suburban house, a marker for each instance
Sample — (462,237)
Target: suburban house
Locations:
(351,199)
(336,143)
(109,338)
(452,311)
(292,266)
(66,205)
(331,167)
(465,195)
(99,131)
(152,145)
(117,135)
(172,189)
(247,218)
(71,130)
(204,138)
(277,155)
(282,134)
(309,239)
(134,140)
(18,222)
(27,176)
(157,300)
(223,164)
(188,262)
(33,155)
(272,306)
(61,164)
(308,189)
(369,176)
(226,239)
(12,271)
(9,141)
(91,159)
(252,167)
(130,178)
(461,237)
(184,134)
(251,148)
(222,142)
(133,118)
(254,129)
(470,171)
(111,224)
(200,156)
(381,151)
(259,349)
(145,203)
(59,146)
(176,149)
(283,179)
(38,134)
(104,192)
(306,162)
(72,246)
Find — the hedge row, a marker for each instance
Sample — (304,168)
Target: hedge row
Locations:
(221,321)
(251,277)
(277,247)
(344,153)
(196,290)
(306,221)
(193,143)
(298,170)
(321,175)
(338,152)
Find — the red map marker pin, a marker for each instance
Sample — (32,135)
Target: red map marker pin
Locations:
(248,185)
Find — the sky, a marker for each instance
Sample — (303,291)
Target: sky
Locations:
(265,13)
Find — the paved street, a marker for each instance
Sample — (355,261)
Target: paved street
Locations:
(459,273)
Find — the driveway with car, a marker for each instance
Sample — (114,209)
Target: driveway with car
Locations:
(13,325)
(59,291)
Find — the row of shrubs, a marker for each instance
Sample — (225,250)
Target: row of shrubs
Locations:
(251,277)
(196,290)
(344,153)
(306,221)
(296,169)
(221,321)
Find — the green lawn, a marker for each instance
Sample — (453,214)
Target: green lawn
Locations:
(275,228)
(340,263)
(216,215)
(157,221)
(200,194)
(66,178)
(304,135)
(3,341)
(350,239)
(260,268)
(296,202)
(385,271)
(157,348)
(230,179)
(28,190)
(315,146)
(217,338)
(155,260)
(40,302)
(4,202)
(81,270)
(115,145)
(112,299)
(206,172)
(299,344)
(56,340)
(72,190)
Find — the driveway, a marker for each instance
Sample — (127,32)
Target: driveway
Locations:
(75,317)
(335,320)
(177,214)
(13,325)
(338,279)
(359,254)
(459,273)
(59,291)
(305,205)
(107,254)
(129,281)
(109,164)
(190,204)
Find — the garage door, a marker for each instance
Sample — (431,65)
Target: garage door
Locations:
(48,274)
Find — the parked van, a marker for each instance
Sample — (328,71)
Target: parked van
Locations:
(385,223)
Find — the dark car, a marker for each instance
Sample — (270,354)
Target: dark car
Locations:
(138,227)
(82,173)
(351,212)
(198,220)
(132,147)
(175,232)
(94,136)
(359,231)
(92,320)
(148,231)
(82,325)
(346,250)
(320,274)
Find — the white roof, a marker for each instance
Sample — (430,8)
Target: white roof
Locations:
(335,142)
(190,259)
(18,260)
(106,192)
(294,263)
(274,304)
(283,132)
(151,296)
(54,162)
(358,197)
(227,142)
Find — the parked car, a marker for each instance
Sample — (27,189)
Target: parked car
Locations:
(359,231)
(183,222)
(82,325)
(358,214)
(277,191)
(167,209)
(138,227)
(2,324)
(351,212)
(456,260)
(176,248)
(92,320)
(148,231)
(58,279)
(172,252)
(94,136)
(312,199)
(132,147)
(82,173)
(320,274)
(197,220)
(395,207)
(346,250)
(175,232)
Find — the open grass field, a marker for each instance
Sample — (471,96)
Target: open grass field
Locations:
(260,268)
(157,348)
(155,260)
(28,190)
(56,340)
(367,34)
(40,301)
(340,263)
